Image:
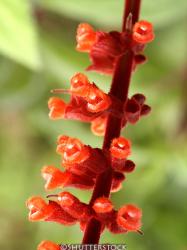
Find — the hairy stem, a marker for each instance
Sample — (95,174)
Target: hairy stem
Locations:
(119,89)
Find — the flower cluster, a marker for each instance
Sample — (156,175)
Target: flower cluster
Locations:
(88,103)
(105,48)
(81,164)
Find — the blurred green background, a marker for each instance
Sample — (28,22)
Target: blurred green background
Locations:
(37,41)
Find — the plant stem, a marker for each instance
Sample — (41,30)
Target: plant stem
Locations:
(119,89)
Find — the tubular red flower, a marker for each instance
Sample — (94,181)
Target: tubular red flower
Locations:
(86,37)
(97,100)
(143,32)
(120,148)
(73,206)
(38,208)
(59,215)
(54,177)
(48,245)
(129,218)
(57,108)
(73,151)
(102,205)
(113,226)
(80,84)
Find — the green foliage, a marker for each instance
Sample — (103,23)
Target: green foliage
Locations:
(27,137)
(18,37)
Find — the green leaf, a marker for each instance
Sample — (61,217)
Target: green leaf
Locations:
(109,12)
(18,38)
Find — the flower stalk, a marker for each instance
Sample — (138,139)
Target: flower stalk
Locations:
(119,89)
(101,170)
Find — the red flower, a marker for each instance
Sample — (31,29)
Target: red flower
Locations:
(106,50)
(54,177)
(72,178)
(73,206)
(80,85)
(86,37)
(73,151)
(129,218)
(57,108)
(39,209)
(120,148)
(143,32)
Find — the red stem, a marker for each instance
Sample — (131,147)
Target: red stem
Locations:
(119,89)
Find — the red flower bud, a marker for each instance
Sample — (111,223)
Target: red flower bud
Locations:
(140,98)
(128,167)
(117,180)
(73,151)
(57,108)
(129,218)
(120,148)
(146,109)
(86,37)
(98,125)
(48,245)
(143,32)
(132,111)
(39,209)
(102,205)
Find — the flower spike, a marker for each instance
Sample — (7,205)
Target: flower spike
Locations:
(102,170)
